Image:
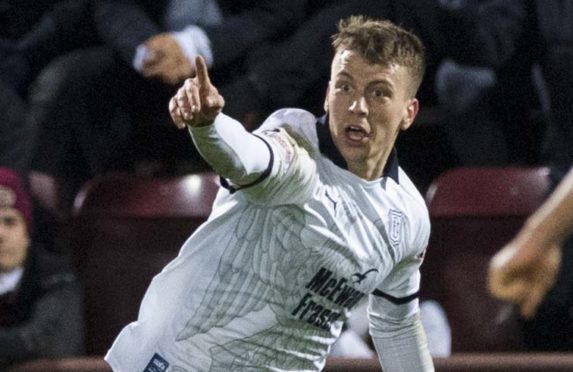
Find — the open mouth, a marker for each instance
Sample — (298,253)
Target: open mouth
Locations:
(356,133)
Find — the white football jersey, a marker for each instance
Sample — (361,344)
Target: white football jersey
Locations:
(267,282)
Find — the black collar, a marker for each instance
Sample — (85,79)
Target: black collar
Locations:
(328,149)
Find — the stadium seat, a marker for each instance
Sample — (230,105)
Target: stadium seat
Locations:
(78,364)
(470,362)
(474,212)
(124,230)
(44,189)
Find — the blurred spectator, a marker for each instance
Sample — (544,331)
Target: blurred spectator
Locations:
(18,16)
(92,106)
(295,72)
(16,136)
(505,34)
(495,33)
(15,140)
(40,298)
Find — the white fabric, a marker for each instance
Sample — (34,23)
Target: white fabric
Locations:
(9,281)
(267,281)
(194,42)
(437,327)
(231,151)
(402,346)
(182,19)
(351,345)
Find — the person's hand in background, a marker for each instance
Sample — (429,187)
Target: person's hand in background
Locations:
(166,60)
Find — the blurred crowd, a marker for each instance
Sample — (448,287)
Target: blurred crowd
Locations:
(85,85)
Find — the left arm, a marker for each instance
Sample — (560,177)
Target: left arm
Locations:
(225,144)
(398,336)
(394,314)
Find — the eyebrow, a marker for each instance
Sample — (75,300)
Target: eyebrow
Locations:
(384,82)
(8,215)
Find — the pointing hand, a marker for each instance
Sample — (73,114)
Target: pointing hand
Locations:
(197,103)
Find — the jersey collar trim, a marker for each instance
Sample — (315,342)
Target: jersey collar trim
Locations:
(328,149)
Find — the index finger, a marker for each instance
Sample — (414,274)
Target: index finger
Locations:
(202,73)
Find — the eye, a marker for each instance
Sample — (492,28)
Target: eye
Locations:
(9,221)
(343,87)
(379,93)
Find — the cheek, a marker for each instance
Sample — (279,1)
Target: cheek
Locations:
(385,126)
(19,241)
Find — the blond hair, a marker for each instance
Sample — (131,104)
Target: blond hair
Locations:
(382,42)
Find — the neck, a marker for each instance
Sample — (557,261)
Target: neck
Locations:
(370,169)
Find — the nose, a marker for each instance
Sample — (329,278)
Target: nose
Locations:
(359,106)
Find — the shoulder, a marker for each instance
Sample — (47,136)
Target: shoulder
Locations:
(300,125)
(292,120)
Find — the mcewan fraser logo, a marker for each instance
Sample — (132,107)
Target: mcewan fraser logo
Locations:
(360,277)
(334,290)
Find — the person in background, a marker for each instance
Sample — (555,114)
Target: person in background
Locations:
(509,33)
(525,269)
(104,70)
(41,313)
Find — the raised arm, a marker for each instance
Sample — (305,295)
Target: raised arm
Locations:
(223,142)
(525,269)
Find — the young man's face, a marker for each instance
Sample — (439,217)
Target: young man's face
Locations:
(368,104)
(13,239)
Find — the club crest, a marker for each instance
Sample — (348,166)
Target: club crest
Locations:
(396,219)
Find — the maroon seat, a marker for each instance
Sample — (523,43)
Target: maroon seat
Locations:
(474,212)
(79,364)
(124,230)
(44,189)
(472,362)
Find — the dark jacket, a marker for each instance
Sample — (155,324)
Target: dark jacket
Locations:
(540,32)
(44,316)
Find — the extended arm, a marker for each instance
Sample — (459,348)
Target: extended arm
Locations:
(398,336)
(223,142)
(526,267)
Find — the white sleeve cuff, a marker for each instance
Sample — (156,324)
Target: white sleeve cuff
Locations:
(233,152)
(404,347)
(140,54)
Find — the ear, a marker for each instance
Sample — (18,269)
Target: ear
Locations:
(410,114)
(326,98)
